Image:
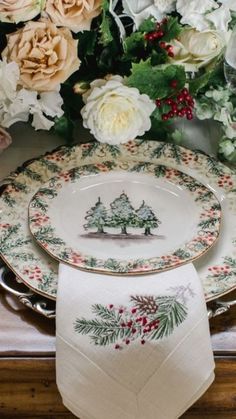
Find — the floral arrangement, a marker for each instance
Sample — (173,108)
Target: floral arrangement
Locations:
(129,68)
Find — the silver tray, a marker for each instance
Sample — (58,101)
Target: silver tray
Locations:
(47,307)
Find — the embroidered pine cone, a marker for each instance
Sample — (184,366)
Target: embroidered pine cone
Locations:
(145,305)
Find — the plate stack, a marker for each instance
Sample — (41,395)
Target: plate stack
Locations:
(137,208)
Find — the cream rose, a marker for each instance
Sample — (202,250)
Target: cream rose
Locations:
(46,55)
(195,49)
(19,11)
(5,139)
(76,15)
(115,113)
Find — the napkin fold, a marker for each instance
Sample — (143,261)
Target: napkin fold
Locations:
(132,347)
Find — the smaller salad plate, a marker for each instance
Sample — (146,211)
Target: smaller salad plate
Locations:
(110,218)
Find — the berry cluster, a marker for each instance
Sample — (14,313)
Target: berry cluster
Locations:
(157,35)
(180,106)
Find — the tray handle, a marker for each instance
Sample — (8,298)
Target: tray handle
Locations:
(27,297)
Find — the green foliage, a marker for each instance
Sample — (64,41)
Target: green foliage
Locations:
(171,29)
(64,126)
(148,25)
(155,81)
(105,26)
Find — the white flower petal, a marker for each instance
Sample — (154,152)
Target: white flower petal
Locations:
(51,103)
(220,18)
(41,122)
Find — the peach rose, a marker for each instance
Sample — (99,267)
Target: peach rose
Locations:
(5,139)
(46,55)
(76,15)
(19,11)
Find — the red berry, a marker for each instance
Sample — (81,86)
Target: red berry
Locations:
(133,330)
(180,98)
(168,101)
(117,346)
(158,103)
(189,116)
(169,47)
(164,117)
(173,84)
(161,34)
(129,324)
(111,306)
(185,91)
(171,114)
(162,44)
(188,110)
(151,37)
(127,341)
(171,54)
(123,324)
(121,311)
(180,114)
(188,98)
(133,311)
(142,342)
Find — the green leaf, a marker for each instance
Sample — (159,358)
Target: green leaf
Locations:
(133,43)
(64,126)
(148,25)
(87,42)
(105,27)
(155,81)
(171,29)
(199,82)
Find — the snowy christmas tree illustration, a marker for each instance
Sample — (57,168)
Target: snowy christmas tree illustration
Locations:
(121,215)
(97,217)
(146,219)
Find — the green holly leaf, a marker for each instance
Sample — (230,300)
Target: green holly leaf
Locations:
(133,42)
(155,81)
(171,29)
(148,25)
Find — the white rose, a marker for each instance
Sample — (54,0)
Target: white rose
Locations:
(115,113)
(195,49)
(20,10)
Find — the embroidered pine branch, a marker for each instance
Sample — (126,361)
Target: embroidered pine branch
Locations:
(151,318)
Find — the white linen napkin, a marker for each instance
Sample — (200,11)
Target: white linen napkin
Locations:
(132,347)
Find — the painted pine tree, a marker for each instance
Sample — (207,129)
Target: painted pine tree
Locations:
(146,219)
(96,217)
(122,213)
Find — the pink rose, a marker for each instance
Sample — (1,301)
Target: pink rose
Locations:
(5,139)
(76,15)
(20,10)
(46,55)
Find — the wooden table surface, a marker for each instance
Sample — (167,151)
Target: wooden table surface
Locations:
(27,340)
